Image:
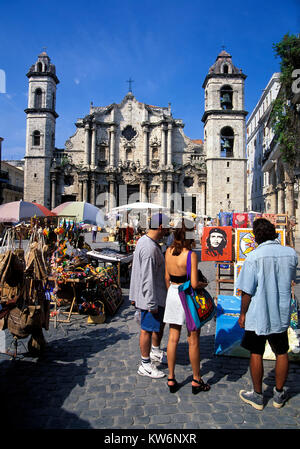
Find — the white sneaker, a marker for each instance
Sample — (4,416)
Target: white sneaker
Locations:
(150,370)
(160,357)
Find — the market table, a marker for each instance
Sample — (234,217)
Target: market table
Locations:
(112,256)
(73,283)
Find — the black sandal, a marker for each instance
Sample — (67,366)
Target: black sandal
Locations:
(175,387)
(201,387)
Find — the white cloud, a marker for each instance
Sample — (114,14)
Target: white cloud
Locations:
(76,81)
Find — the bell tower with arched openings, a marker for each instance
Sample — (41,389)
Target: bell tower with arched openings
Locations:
(40,130)
(224,121)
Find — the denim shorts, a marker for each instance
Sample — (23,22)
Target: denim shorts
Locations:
(152,322)
(256,343)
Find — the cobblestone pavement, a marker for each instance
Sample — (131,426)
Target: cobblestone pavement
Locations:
(88,379)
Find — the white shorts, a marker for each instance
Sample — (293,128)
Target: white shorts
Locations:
(174,312)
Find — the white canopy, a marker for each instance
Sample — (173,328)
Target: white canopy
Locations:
(138,205)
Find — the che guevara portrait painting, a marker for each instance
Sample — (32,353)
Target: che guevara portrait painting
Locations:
(217,243)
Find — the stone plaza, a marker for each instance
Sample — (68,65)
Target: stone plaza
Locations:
(88,379)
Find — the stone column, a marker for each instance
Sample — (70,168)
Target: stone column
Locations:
(80,188)
(93,189)
(169,190)
(143,191)
(94,139)
(169,156)
(163,146)
(280,199)
(146,149)
(177,196)
(87,145)
(53,190)
(112,146)
(84,181)
(162,191)
(202,198)
(111,202)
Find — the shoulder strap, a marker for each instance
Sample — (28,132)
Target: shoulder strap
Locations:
(188,265)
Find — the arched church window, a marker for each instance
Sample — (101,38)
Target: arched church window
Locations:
(38,98)
(225,68)
(226,97)
(39,67)
(36,138)
(227,141)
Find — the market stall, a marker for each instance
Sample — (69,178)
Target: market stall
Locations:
(76,284)
(228,245)
(24,305)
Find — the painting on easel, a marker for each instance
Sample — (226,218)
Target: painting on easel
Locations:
(245,242)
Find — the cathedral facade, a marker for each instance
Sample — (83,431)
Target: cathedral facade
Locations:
(131,151)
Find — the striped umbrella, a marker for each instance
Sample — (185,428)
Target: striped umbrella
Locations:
(81,212)
(16,211)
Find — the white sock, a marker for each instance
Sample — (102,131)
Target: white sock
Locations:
(156,349)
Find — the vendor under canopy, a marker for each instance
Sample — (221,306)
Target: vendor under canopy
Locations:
(81,251)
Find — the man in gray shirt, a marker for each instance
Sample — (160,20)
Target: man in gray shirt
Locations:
(148,292)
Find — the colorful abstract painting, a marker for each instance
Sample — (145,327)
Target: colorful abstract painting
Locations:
(251,217)
(237,270)
(239,220)
(217,244)
(270,217)
(225,218)
(245,242)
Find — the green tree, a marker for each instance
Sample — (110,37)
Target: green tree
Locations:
(284,116)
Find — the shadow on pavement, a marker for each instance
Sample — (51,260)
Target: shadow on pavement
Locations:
(33,391)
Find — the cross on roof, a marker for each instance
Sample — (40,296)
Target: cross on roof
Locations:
(130,81)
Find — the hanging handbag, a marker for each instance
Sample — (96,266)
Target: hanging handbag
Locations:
(198,304)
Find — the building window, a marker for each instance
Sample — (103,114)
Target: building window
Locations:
(228,196)
(227,141)
(228,163)
(38,98)
(228,179)
(36,138)
(129,133)
(39,67)
(225,68)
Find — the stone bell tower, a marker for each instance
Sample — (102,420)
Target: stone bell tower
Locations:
(40,130)
(225,136)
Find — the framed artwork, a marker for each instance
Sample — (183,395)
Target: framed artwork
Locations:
(237,270)
(281,236)
(217,244)
(225,218)
(270,217)
(251,217)
(281,219)
(245,242)
(239,220)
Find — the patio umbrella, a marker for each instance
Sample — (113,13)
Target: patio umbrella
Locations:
(16,211)
(138,205)
(80,211)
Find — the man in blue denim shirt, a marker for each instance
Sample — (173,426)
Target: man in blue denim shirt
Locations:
(265,282)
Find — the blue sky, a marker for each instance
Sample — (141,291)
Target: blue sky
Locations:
(166,47)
